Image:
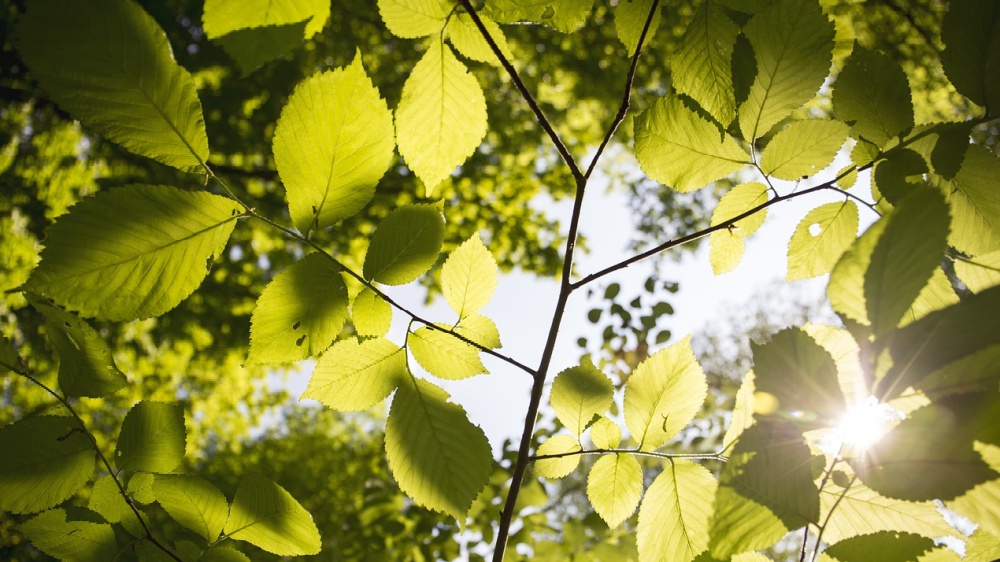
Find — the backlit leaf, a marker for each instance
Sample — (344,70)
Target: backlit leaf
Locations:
(820,238)
(222,17)
(971,34)
(679,149)
(441,118)
(872,94)
(112,68)
(371,314)
(106,500)
(152,438)
(266,516)
(354,376)
(9,358)
(405,245)
(410,19)
(981,272)
(663,394)
(438,458)
(803,148)
(862,511)
(981,505)
(742,412)
(79,541)
(739,200)
(563,15)
(332,144)
(982,547)
(480,329)
(630,17)
(444,355)
(793,44)
(467,39)
(614,487)
(740,524)
(846,287)
(675,511)
(133,252)
(975,203)
(46,460)
(252,47)
(887,546)
(702,65)
(140,487)
(557,467)
(469,277)
(936,295)
(725,251)
(580,393)
(193,502)
(605,433)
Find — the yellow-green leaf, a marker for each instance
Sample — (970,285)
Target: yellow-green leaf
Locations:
(873,95)
(372,316)
(975,203)
(675,512)
(803,148)
(846,287)
(469,277)
(861,511)
(152,438)
(725,251)
(702,65)
(268,517)
(80,541)
(981,272)
(444,355)
(630,17)
(563,15)
(605,433)
(480,329)
(614,487)
(470,43)
(193,502)
(222,17)
(354,376)
(742,417)
(739,200)
(557,467)
(405,245)
(820,238)
(580,393)
(410,19)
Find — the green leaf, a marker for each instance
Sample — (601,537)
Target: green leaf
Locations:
(802,376)
(739,200)
(942,145)
(469,277)
(630,18)
(443,355)
(467,40)
(410,19)
(936,295)
(133,252)
(266,516)
(371,314)
(86,367)
(702,66)
(562,15)
(975,204)
(605,433)
(46,460)
(821,238)
(79,541)
(223,554)
(438,458)
(140,487)
(674,515)
(846,287)
(725,251)
(982,505)
(873,95)
(152,438)
(971,34)
(973,373)
(862,511)
(557,467)
(981,272)
(332,144)
(480,329)
(740,524)
(929,455)
(982,547)
(106,500)
(354,376)
(803,148)
(405,245)
(678,148)
(252,47)
(299,313)
(885,546)
(193,502)
(222,17)
(112,68)
(441,118)
(9,358)
(904,258)
(663,394)
(614,487)
(742,412)
(580,393)
(793,45)
(900,174)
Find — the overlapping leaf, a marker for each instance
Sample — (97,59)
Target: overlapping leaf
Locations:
(803,148)
(353,376)
(975,204)
(405,245)
(410,19)
(469,277)
(675,512)
(820,238)
(372,316)
(55,534)
(254,32)
(630,17)
(605,433)
(469,41)
(725,251)
(444,355)
(726,246)
(557,466)
(266,516)
(112,68)
(614,487)
(980,273)
(481,330)
(846,288)
(46,460)
(133,252)
(872,94)
(702,65)
(563,15)
(885,545)
(152,438)
(580,393)
(193,502)
(971,59)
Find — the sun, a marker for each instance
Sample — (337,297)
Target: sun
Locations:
(863,425)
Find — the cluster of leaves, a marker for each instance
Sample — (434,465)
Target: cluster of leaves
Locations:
(741,74)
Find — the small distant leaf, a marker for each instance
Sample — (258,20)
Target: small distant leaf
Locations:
(702,66)
(614,487)
(438,458)
(725,251)
(410,19)
(580,393)
(443,355)
(354,376)
(872,94)
(821,238)
(739,200)
(605,433)
(332,144)
(193,502)
(975,203)
(46,460)
(441,118)
(885,546)
(793,45)
(113,69)
(86,367)
(803,148)
(663,394)
(467,39)
(469,277)
(481,330)
(562,15)
(971,34)
(133,252)
(266,516)
(152,438)
(299,313)
(675,511)
(630,18)
(405,245)
(372,316)
(79,541)
(742,412)
(557,467)
(678,148)
(981,272)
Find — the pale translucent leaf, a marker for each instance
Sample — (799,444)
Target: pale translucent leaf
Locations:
(981,272)
(152,438)
(820,238)
(663,394)
(580,393)
(46,460)
(846,287)
(844,350)
(740,524)
(793,44)
(675,512)
(371,314)
(873,95)
(443,355)
(630,17)
(614,487)
(79,541)
(133,252)
(410,19)
(266,516)
(702,65)
(480,329)
(975,204)
(437,456)
(193,502)
(222,17)
(981,505)
(936,294)
(467,39)
(557,467)
(469,277)
(803,148)
(678,148)
(299,313)
(982,547)
(862,511)
(112,68)
(332,144)
(441,118)
(563,15)
(405,245)
(725,251)
(354,376)
(605,433)
(742,417)
(739,200)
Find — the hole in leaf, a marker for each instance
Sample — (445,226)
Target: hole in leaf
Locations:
(815,229)
(296,325)
(300,341)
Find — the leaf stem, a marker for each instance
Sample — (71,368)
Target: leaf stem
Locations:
(636,452)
